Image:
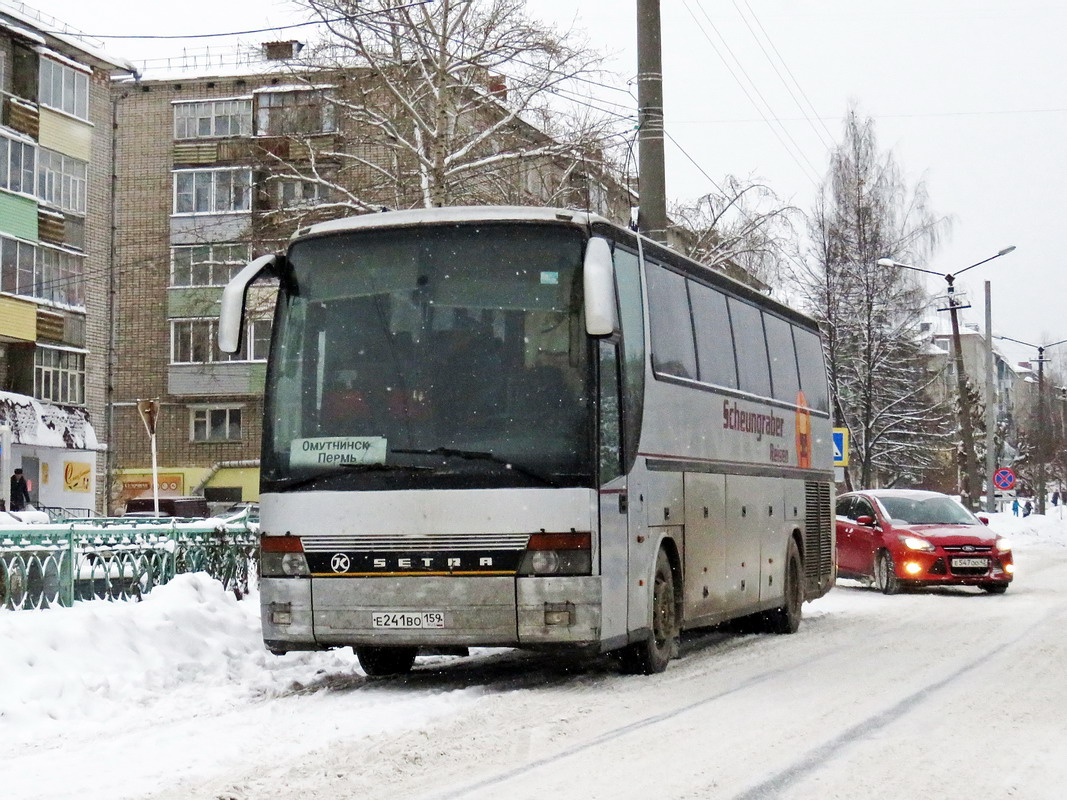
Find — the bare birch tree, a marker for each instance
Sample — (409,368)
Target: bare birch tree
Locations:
(743,229)
(446,103)
(871,314)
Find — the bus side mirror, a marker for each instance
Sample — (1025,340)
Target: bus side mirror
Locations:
(232,312)
(599,285)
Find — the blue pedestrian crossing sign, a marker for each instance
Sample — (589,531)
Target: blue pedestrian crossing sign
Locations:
(840,447)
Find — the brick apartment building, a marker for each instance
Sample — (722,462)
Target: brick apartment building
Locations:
(55,236)
(209,163)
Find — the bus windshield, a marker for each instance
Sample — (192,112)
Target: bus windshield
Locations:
(437,356)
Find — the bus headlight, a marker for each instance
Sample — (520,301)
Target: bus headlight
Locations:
(282,557)
(557,554)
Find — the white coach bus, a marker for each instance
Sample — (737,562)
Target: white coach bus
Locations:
(530,428)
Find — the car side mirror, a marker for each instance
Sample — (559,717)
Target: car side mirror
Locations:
(865,520)
(983,519)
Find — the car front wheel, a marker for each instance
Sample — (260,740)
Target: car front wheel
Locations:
(885,575)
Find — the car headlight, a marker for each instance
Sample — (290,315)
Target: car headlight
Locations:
(915,543)
(1003,545)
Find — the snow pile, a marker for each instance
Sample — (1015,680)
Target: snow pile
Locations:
(189,644)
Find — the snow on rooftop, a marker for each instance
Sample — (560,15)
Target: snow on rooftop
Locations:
(60,32)
(34,422)
(23,32)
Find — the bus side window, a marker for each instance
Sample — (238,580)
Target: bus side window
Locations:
(753,370)
(715,343)
(673,348)
(610,439)
(812,369)
(783,358)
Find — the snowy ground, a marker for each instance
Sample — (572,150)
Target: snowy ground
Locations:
(936,694)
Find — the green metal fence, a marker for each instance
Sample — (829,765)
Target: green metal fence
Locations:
(112,559)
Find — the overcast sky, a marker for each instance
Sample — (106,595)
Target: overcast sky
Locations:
(970,95)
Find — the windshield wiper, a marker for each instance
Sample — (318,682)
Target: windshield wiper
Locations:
(479,455)
(339,469)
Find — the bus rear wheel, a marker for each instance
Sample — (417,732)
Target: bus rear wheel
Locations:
(382,662)
(786,618)
(652,655)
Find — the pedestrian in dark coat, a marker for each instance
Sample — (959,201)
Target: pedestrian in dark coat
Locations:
(20,491)
(1029,507)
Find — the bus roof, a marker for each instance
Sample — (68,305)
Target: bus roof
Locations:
(449,214)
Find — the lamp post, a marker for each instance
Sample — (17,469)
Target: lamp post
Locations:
(1042,450)
(970,465)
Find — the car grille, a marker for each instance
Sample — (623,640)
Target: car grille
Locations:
(967,548)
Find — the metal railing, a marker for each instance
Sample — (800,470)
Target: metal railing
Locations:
(113,559)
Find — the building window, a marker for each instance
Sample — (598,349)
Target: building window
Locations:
(295,111)
(17,266)
(64,88)
(212,118)
(212,191)
(207,265)
(193,341)
(60,276)
(215,425)
(17,161)
(62,180)
(297,193)
(59,375)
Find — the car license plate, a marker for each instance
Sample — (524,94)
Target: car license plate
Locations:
(970,563)
(408,619)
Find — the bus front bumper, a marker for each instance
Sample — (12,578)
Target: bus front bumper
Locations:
(307,614)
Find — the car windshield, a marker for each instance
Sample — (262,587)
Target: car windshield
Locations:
(927,511)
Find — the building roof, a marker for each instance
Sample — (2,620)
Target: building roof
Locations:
(41,424)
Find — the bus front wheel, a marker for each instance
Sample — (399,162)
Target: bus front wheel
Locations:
(651,655)
(382,662)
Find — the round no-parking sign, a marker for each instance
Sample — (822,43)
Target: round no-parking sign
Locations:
(1004,478)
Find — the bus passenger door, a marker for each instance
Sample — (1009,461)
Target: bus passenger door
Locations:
(614,500)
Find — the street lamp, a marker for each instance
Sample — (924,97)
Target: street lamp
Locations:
(970,467)
(1042,447)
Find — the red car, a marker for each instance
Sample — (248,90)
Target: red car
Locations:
(903,537)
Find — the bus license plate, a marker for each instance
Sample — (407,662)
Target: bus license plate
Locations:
(408,619)
(970,563)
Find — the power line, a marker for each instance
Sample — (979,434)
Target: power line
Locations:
(829,140)
(792,150)
(347,18)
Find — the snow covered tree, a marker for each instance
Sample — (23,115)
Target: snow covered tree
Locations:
(870,314)
(447,103)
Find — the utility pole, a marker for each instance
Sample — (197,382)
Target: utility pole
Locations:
(990,405)
(970,461)
(1042,431)
(652,213)
(1041,440)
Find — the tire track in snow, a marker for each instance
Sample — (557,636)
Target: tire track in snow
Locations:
(832,749)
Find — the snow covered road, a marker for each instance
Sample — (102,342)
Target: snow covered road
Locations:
(948,694)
